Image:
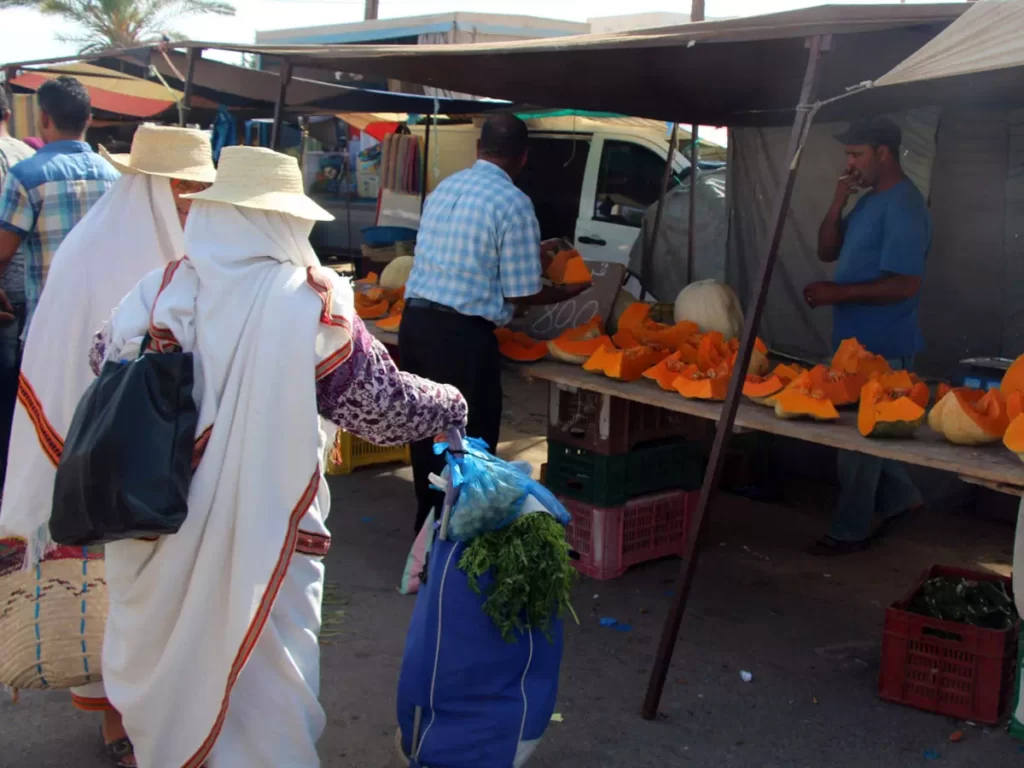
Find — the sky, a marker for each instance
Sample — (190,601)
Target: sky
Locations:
(25,35)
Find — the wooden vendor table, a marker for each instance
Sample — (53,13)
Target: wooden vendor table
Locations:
(992,465)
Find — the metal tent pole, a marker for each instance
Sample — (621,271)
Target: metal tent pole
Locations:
(693,203)
(650,242)
(670,631)
(194,54)
(286,78)
(426,165)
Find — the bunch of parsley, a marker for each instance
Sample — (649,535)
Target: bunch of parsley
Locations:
(531,575)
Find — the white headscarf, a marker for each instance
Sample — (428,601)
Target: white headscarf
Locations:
(132,229)
(250,302)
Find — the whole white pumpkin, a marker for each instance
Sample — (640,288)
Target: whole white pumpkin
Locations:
(712,305)
(396,273)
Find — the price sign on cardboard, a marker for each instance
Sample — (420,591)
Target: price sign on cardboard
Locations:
(549,321)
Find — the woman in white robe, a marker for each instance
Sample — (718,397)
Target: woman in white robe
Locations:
(212,645)
(134,228)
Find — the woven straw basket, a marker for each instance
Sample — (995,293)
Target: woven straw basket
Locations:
(52,619)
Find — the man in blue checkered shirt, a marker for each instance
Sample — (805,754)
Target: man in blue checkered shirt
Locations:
(478,256)
(44,196)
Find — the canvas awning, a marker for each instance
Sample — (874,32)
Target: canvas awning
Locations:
(731,72)
(113,92)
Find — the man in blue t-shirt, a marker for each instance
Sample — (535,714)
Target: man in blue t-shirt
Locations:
(880,249)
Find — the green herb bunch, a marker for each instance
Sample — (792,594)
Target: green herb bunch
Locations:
(532,576)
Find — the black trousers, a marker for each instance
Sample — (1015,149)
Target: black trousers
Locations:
(455,349)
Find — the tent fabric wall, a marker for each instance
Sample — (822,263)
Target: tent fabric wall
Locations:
(665,276)
(756,157)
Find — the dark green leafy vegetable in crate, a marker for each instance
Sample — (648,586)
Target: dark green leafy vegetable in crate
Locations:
(532,575)
(983,604)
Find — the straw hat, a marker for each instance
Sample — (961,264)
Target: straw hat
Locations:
(254,177)
(177,153)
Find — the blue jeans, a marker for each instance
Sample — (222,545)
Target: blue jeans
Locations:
(870,485)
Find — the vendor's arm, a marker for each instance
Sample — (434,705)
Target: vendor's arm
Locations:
(368,396)
(905,244)
(888,289)
(521,264)
(830,233)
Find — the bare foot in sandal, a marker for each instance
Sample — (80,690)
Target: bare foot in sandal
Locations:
(116,742)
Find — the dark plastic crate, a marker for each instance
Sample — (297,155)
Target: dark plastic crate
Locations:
(611,425)
(946,667)
(608,481)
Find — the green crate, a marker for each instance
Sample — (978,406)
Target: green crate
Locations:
(608,481)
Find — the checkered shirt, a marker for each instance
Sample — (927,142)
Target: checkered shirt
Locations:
(43,197)
(478,245)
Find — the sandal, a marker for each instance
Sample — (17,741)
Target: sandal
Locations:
(118,751)
(826,546)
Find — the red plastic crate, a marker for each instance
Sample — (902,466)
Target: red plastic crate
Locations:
(611,539)
(947,667)
(612,426)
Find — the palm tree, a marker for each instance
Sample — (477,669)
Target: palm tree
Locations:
(110,24)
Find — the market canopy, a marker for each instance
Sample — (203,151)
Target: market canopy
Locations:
(114,92)
(730,72)
(979,58)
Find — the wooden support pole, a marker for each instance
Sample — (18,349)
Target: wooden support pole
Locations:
(670,632)
(194,54)
(286,78)
(691,228)
(651,241)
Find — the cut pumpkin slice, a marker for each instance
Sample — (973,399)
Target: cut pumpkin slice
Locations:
(667,371)
(520,348)
(1014,437)
(391,323)
(625,364)
(887,412)
(965,419)
(569,268)
(696,384)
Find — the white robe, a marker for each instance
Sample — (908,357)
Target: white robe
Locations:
(133,229)
(211,651)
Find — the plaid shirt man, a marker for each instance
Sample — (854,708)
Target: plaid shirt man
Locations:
(478,245)
(43,197)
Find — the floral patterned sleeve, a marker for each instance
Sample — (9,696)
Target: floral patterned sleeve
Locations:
(368,396)
(98,350)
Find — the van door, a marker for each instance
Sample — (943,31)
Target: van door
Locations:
(622,180)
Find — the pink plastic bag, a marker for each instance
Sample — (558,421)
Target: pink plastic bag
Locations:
(416,562)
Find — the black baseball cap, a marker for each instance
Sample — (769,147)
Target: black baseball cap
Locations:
(876,131)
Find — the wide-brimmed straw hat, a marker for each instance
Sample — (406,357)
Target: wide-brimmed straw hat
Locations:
(176,153)
(254,177)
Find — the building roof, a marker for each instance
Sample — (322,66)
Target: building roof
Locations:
(412,26)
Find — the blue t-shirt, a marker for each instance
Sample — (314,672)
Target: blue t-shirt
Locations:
(887,232)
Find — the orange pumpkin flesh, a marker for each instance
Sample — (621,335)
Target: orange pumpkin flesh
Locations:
(1013,379)
(1014,404)
(391,323)
(697,384)
(578,352)
(625,364)
(569,268)
(1014,437)
(964,418)
(712,351)
(371,278)
(369,310)
(888,412)
(520,348)
(667,371)
(853,358)
(837,386)
(799,402)
(624,339)
(636,320)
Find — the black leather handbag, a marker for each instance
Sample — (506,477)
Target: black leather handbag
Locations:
(126,466)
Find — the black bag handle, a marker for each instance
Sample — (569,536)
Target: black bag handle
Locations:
(145,343)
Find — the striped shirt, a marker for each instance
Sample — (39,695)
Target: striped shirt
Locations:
(43,197)
(478,245)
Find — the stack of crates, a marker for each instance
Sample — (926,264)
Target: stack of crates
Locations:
(628,473)
(355,452)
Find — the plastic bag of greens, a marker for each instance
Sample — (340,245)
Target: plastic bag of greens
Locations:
(491,491)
